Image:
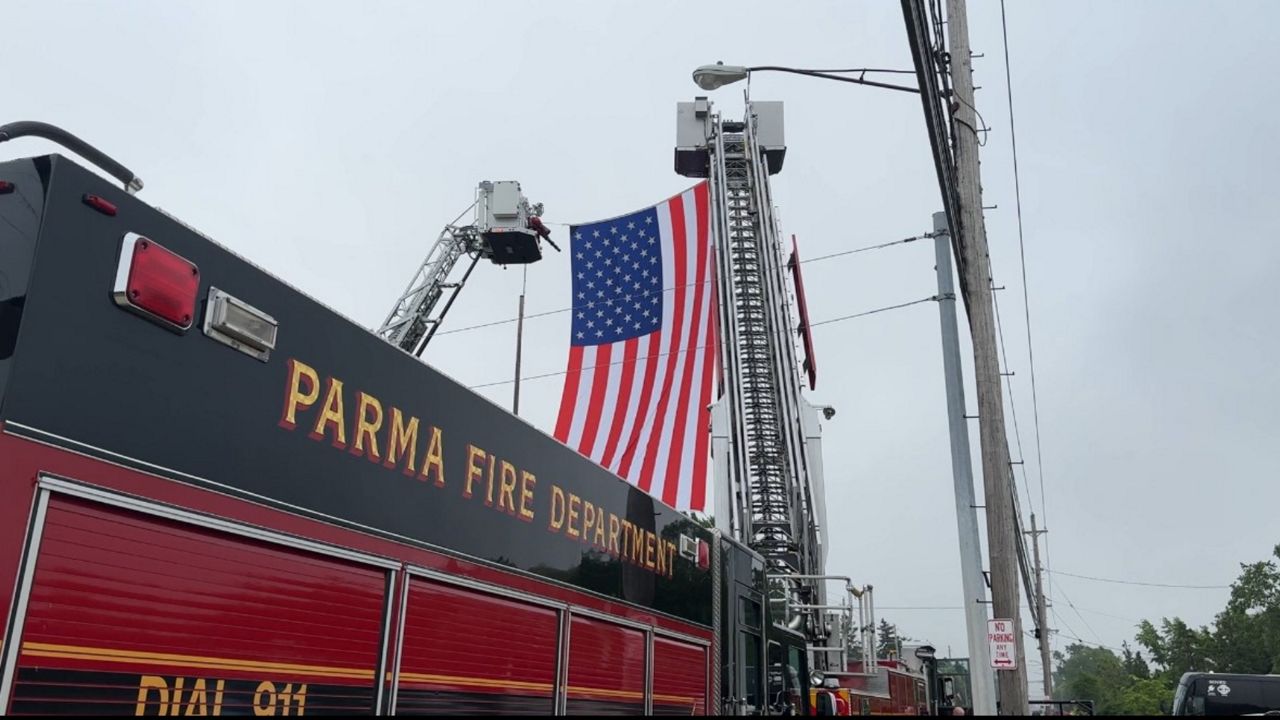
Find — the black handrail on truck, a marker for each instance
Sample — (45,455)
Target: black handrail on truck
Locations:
(32,128)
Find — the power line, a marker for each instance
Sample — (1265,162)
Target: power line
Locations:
(546,313)
(700,347)
(868,247)
(1082,617)
(933,298)
(1143,584)
(1013,407)
(1026,298)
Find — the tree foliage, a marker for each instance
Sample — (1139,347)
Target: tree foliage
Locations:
(1244,638)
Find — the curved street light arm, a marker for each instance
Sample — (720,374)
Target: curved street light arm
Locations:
(828,76)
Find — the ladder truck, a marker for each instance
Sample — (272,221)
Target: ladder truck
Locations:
(766,436)
(506,230)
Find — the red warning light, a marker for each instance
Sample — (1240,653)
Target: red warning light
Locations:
(157,283)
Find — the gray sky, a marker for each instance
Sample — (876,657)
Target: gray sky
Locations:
(329,142)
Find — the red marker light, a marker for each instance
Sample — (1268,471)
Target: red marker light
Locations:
(102,206)
(157,283)
(6,187)
(704,555)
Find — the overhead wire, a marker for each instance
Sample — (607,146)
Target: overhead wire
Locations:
(557,311)
(683,350)
(1175,586)
(1026,302)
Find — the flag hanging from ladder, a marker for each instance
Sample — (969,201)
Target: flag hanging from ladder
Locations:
(642,347)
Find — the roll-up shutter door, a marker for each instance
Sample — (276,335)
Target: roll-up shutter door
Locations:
(130,613)
(467,652)
(679,678)
(606,668)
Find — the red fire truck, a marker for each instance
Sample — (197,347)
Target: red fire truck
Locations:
(220,497)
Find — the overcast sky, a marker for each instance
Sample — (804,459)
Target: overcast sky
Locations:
(329,142)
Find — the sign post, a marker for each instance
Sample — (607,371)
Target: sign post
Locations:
(1002,638)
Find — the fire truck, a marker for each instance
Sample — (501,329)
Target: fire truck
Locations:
(219,496)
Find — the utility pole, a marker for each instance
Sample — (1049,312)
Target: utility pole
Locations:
(524,284)
(1002,532)
(981,676)
(1042,611)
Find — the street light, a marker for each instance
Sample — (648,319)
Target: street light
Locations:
(711,77)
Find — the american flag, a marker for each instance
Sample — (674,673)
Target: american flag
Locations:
(642,347)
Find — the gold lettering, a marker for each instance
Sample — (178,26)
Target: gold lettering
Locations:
(488,495)
(588,519)
(556,521)
(527,483)
(614,528)
(145,685)
(434,461)
(294,396)
(402,442)
(332,415)
(367,428)
(285,697)
(264,698)
(197,699)
(575,502)
(506,494)
(177,696)
(637,545)
(473,473)
(599,538)
(217,697)
(649,539)
(662,557)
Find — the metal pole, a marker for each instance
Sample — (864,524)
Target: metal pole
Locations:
(1002,530)
(1042,613)
(515,401)
(975,588)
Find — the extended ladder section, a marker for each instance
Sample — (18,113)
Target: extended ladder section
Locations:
(506,230)
(766,437)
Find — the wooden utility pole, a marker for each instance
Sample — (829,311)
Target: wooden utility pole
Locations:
(1002,529)
(1042,612)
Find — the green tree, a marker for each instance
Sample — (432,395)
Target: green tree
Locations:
(1141,696)
(1088,673)
(888,640)
(1177,648)
(1246,637)
(1133,663)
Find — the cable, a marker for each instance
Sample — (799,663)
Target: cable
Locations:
(1143,584)
(1082,617)
(1013,407)
(869,247)
(507,321)
(592,367)
(656,355)
(933,298)
(1026,302)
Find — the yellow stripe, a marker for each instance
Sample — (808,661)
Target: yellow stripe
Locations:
(150,658)
(138,657)
(601,692)
(474,682)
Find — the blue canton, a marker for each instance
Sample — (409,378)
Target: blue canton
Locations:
(617,279)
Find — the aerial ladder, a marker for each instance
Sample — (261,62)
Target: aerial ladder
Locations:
(505,229)
(766,436)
